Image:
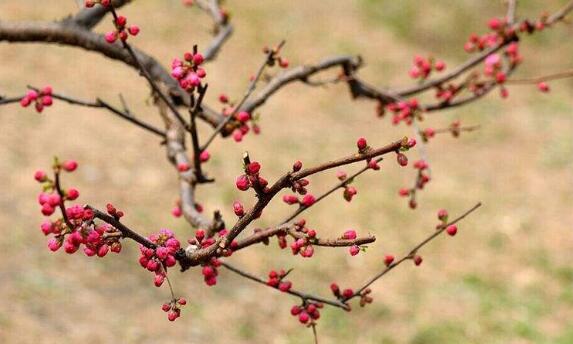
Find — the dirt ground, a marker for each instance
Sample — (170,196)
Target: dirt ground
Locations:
(505,278)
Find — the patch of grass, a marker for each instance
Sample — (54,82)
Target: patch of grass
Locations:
(449,332)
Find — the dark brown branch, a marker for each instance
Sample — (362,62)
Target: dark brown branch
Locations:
(195,257)
(98,104)
(413,251)
(300,73)
(293,292)
(70,35)
(125,231)
(252,86)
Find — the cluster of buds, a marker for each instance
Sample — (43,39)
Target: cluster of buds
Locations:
(97,240)
(307,313)
(351,235)
(76,226)
(162,256)
(173,308)
(303,244)
(306,201)
(210,271)
(405,111)
(527,26)
(342,295)
(478,43)
(51,198)
(187,71)
(423,67)
(251,178)
(447,93)
(443,217)
(201,240)
(274,57)
(241,118)
(455,128)
(113,211)
(240,121)
(40,99)
(277,280)
(122,31)
(422,179)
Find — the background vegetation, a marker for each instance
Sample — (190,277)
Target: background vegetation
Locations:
(506,278)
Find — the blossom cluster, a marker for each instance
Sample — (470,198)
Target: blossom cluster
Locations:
(160,257)
(41,99)
(187,71)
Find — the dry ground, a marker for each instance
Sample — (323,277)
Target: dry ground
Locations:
(506,278)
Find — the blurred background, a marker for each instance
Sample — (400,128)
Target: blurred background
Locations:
(505,278)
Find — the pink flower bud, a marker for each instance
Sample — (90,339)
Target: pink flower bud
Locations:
(47,209)
(102,250)
(495,24)
(172,316)
(32,95)
(158,280)
(47,100)
(295,310)
(388,259)
(361,144)
(198,59)
(54,245)
(89,251)
(25,101)
(354,250)
(242,183)
(543,87)
(40,176)
(349,234)
(285,286)
(238,208)
(152,265)
(70,165)
(176,212)
(243,116)
(297,166)
(402,159)
(303,317)
(308,200)
(290,199)
(47,227)
(72,194)
(452,230)
(111,37)
(253,168)
(162,252)
(204,156)
(170,261)
(237,136)
(133,30)
(183,167)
